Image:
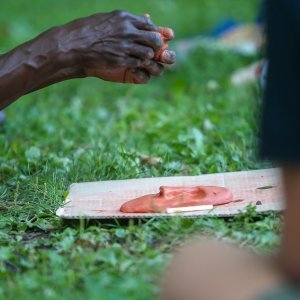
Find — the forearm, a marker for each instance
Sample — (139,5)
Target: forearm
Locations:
(29,67)
(290,251)
(110,46)
(62,75)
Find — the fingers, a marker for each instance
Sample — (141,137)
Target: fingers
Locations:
(137,76)
(153,68)
(166,32)
(143,74)
(168,57)
(143,23)
(151,39)
(129,62)
(140,51)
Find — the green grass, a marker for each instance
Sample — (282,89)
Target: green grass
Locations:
(87,130)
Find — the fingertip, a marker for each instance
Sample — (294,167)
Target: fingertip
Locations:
(150,53)
(167,33)
(171,34)
(168,57)
(171,54)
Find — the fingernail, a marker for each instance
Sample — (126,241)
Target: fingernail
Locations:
(167,33)
(169,56)
(172,54)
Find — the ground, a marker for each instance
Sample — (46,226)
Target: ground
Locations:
(86,130)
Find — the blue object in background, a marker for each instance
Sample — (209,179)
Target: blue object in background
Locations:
(2,117)
(228,24)
(222,27)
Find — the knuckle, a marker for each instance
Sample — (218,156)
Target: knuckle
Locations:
(146,78)
(150,53)
(148,24)
(121,13)
(143,77)
(126,30)
(136,62)
(148,21)
(155,69)
(125,44)
(160,70)
(147,53)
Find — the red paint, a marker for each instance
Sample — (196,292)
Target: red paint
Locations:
(172,196)
(167,34)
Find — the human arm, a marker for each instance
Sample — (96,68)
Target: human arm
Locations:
(116,46)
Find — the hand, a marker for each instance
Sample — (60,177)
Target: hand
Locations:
(116,46)
(163,54)
(148,68)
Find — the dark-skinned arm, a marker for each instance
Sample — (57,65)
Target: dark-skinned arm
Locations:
(27,67)
(116,46)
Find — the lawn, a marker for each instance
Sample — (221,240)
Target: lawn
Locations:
(87,130)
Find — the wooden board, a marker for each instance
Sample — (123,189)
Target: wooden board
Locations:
(103,199)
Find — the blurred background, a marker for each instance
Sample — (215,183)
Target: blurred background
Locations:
(23,19)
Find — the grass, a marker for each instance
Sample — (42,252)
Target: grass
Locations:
(86,130)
